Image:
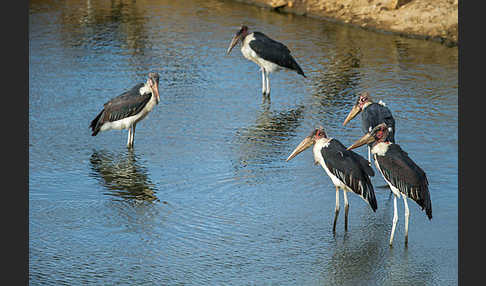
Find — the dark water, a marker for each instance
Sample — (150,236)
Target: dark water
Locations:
(206,196)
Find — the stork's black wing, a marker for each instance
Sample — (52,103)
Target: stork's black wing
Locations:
(274,52)
(405,175)
(125,105)
(376,114)
(351,168)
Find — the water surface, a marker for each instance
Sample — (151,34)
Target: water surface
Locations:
(206,196)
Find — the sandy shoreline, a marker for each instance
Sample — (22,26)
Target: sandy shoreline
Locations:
(435,20)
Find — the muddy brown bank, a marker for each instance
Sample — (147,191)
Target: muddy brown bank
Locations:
(435,20)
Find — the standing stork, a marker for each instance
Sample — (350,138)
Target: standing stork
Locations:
(267,53)
(372,114)
(405,178)
(127,109)
(348,170)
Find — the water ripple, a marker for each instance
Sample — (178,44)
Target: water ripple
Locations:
(206,196)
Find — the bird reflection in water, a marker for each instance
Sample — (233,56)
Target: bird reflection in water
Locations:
(122,175)
(260,144)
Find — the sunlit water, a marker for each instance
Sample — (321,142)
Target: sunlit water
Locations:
(206,196)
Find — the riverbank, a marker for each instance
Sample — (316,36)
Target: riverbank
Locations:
(435,20)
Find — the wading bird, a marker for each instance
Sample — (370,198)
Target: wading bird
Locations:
(127,109)
(372,114)
(405,178)
(348,170)
(267,53)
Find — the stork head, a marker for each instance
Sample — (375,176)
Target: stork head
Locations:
(308,141)
(239,36)
(153,83)
(363,100)
(377,134)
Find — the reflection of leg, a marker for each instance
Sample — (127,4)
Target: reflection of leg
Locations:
(407,215)
(129,136)
(263,81)
(346,208)
(395,219)
(336,211)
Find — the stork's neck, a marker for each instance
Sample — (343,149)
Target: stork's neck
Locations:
(246,39)
(380,148)
(367,104)
(145,89)
(243,36)
(320,143)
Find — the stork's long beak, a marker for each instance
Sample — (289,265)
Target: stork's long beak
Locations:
(306,143)
(366,139)
(233,43)
(155,89)
(352,114)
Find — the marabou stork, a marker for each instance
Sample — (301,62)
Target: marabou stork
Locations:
(348,170)
(404,177)
(267,53)
(372,114)
(127,109)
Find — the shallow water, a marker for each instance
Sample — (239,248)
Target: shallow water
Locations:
(206,196)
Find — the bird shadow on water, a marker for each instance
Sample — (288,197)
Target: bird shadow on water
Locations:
(123,176)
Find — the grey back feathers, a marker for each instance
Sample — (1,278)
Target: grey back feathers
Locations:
(126,104)
(352,169)
(375,114)
(402,172)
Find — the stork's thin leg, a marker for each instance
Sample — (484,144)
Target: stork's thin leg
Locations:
(268,82)
(129,136)
(264,91)
(369,148)
(133,135)
(346,208)
(395,219)
(336,211)
(369,154)
(407,215)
